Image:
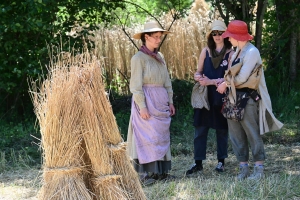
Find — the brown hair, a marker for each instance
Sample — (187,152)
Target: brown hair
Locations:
(212,45)
(148,33)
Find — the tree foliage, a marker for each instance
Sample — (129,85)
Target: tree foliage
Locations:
(25,29)
(140,10)
(246,10)
(276,31)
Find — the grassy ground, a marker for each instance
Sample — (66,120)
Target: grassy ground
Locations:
(20,179)
(282,179)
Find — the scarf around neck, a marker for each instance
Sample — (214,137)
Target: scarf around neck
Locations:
(217,57)
(154,54)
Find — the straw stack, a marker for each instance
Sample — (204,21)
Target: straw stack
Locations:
(106,184)
(84,153)
(56,107)
(97,110)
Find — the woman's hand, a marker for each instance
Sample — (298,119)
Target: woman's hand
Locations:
(206,81)
(197,76)
(172,109)
(219,81)
(222,88)
(144,113)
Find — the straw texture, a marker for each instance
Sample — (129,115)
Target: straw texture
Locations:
(78,131)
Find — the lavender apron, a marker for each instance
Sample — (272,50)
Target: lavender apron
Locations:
(152,136)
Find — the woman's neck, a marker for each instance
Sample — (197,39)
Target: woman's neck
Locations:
(242,44)
(150,48)
(219,47)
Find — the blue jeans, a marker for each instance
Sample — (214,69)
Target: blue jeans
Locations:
(200,142)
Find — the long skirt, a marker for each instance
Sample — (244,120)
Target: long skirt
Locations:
(149,140)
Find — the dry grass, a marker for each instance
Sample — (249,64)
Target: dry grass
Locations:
(282,180)
(181,49)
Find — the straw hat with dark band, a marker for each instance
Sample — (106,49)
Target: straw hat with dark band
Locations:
(151,26)
(238,30)
(217,25)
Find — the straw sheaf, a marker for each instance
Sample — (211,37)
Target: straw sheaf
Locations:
(121,166)
(65,187)
(98,108)
(68,170)
(121,147)
(107,189)
(59,117)
(129,176)
(110,133)
(106,179)
(78,128)
(100,105)
(99,136)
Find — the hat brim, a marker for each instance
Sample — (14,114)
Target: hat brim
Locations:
(218,28)
(239,37)
(138,35)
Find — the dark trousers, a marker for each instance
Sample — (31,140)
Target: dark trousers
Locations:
(200,143)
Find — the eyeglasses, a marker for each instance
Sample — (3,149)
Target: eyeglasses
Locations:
(156,37)
(217,33)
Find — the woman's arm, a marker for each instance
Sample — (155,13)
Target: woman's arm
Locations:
(199,71)
(199,76)
(221,86)
(136,81)
(168,86)
(251,58)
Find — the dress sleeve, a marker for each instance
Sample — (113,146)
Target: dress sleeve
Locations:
(168,86)
(136,81)
(251,58)
(168,83)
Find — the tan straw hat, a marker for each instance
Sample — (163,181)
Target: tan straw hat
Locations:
(218,25)
(151,26)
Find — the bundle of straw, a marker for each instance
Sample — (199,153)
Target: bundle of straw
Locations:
(125,168)
(100,136)
(84,153)
(56,108)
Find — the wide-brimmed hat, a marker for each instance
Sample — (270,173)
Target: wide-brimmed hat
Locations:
(151,26)
(238,30)
(217,25)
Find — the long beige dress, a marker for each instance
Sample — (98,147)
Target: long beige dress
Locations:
(146,70)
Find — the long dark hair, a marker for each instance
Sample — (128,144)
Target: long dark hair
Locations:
(212,45)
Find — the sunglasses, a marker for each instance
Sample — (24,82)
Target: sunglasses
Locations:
(217,33)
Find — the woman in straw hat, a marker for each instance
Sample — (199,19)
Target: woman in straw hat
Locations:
(258,117)
(152,107)
(213,62)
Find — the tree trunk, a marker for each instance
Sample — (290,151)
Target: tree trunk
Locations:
(293,50)
(261,9)
(244,10)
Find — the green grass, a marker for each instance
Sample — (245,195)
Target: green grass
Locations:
(282,169)
(20,157)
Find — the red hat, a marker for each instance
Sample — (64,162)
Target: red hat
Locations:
(238,30)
